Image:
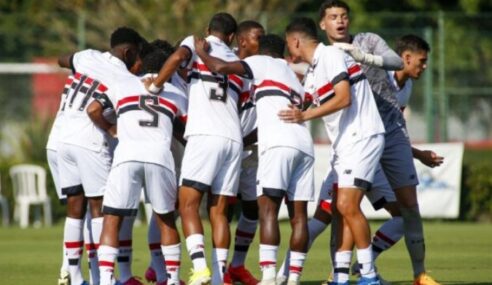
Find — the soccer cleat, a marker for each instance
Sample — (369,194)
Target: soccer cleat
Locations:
(227,279)
(85,283)
(368,281)
(132,281)
(242,275)
(292,282)
(202,277)
(424,279)
(64,278)
(150,275)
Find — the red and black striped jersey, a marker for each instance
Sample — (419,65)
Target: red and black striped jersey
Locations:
(275,87)
(212,97)
(95,73)
(361,118)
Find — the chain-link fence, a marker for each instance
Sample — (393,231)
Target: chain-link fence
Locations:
(451,102)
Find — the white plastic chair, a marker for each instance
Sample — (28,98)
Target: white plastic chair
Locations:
(29,188)
(5,208)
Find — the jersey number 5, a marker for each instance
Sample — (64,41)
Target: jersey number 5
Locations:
(144,102)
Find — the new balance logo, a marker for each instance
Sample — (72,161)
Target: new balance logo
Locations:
(347,171)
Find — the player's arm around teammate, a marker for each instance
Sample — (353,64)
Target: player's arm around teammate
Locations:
(280,172)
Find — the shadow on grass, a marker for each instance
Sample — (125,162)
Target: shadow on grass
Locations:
(444,282)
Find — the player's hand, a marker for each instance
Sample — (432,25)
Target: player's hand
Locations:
(430,158)
(148,83)
(112,131)
(359,55)
(355,52)
(291,115)
(202,45)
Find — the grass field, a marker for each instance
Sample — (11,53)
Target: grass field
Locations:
(457,253)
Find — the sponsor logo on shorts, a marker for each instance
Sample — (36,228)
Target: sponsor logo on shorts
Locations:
(347,171)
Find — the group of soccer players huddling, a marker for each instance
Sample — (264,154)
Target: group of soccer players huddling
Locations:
(212,120)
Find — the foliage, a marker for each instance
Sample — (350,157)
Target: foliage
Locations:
(478,191)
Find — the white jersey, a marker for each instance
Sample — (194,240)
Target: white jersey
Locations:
(55,133)
(212,101)
(247,111)
(357,121)
(145,121)
(275,87)
(402,93)
(94,74)
(179,83)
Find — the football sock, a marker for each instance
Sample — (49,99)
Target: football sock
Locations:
(107,256)
(315,228)
(196,250)
(172,256)
(341,266)
(245,232)
(125,249)
(74,243)
(93,228)
(296,265)
(366,262)
(268,261)
(387,235)
(414,238)
(156,257)
(219,259)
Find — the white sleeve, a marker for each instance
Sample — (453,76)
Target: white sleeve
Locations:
(335,65)
(255,67)
(189,43)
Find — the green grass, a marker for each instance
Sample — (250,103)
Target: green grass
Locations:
(457,253)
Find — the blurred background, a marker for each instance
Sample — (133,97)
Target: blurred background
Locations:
(452,102)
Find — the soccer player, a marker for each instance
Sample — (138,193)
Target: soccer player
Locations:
(397,162)
(286,160)
(84,156)
(151,64)
(142,159)
(214,144)
(247,36)
(356,131)
(52,157)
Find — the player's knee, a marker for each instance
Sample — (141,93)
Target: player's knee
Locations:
(393,209)
(251,214)
(76,207)
(347,208)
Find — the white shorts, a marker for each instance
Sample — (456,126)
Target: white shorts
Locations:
(379,194)
(285,169)
(212,163)
(397,159)
(52,157)
(83,170)
(177,149)
(355,164)
(126,181)
(247,178)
